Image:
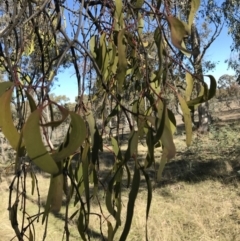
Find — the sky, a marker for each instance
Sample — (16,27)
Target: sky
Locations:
(218,52)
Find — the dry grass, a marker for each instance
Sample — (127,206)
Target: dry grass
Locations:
(198,198)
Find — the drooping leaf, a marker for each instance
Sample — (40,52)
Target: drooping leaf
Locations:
(122,60)
(110,231)
(187,119)
(189,89)
(34,145)
(158,41)
(140,23)
(80,225)
(167,138)
(194,7)
(119,13)
(163,162)
(149,197)
(31,101)
(56,187)
(150,152)
(4,86)
(74,139)
(85,167)
(6,121)
(186,53)
(160,121)
(131,202)
(132,145)
(116,148)
(137,3)
(92,44)
(178,32)
(213,87)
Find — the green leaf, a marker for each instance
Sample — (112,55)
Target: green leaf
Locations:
(119,13)
(198,100)
(167,138)
(150,152)
(178,32)
(159,125)
(213,87)
(110,231)
(116,149)
(137,3)
(6,122)
(163,162)
(92,44)
(131,202)
(56,187)
(187,119)
(35,148)
(122,60)
(189,89)
(91,125)
(81,226)
(149,197)
(74,139)
(140,23)
(194,7)
(158,41)
(31,101)
(55,182)
(132,146)
(85,165)
(4,86)
(113,113)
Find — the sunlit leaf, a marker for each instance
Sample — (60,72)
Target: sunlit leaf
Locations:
(31,101)
(178,32)
(167,138)
(34,145)
(194,7)
(158,41)
(119,14)
(6,121)
(140,23)
(162,164)
(122,60)
(187,119)
(189,89)
(92,43)
(116,148)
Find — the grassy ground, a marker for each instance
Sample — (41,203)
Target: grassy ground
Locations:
(197,199)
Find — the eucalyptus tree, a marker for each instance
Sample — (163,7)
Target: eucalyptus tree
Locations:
(232,18)
(103,40)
